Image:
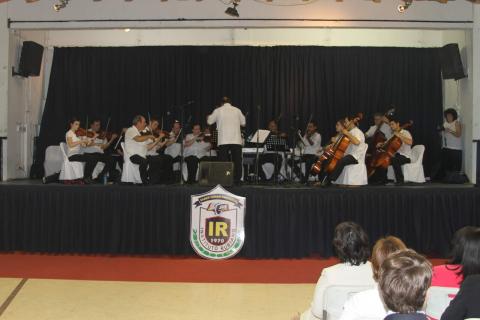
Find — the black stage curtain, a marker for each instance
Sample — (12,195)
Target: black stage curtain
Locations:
(328,82)
(279,223)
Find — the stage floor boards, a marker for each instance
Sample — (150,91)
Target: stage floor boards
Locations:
(67,299)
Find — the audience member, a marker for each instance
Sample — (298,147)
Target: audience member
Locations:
(466,304)
(368,304)
(352,248)
(450,274)
(405,277)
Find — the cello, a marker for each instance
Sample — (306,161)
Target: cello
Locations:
(384,156)
(378,137)
(329,159)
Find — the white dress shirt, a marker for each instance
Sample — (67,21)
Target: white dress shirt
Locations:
(133,147)
(406,149)
(175,149)
(96,148)
(364,305)
(197,149)
(339,274)
(75,150)
(385,128)
(356,150)
(229,119)
(317,144)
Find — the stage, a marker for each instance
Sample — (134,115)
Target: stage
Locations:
(281,221)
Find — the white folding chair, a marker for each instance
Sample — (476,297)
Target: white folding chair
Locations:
(438,299)
(53,160)
(413,171)
(71,170)
(335,297)
(131,171)
(355,174)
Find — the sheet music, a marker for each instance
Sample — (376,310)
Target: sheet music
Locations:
(262,136)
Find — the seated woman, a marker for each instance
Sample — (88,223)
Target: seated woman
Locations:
(368,304)
(75,145)
(450,274)
(465,305)
(352,248)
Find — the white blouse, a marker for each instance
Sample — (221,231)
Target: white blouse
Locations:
(339,274)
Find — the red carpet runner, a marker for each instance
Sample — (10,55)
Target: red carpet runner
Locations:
(163,269)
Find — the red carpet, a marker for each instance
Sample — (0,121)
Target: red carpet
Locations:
(163,269)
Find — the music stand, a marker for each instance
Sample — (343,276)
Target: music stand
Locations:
(277,144)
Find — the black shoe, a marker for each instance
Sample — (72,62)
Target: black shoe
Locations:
(44,180)
(88,181)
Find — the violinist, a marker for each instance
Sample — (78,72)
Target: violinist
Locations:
(381,124)
(97,149)
(172,146)
(312,141)
(196,149)
(401,157)
(161,167)
(352,154)
(75,145)
(272,157)
(137,145)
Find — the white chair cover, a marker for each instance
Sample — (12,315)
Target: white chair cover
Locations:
(413,171)
(268,168)
(70,170)
(131,171)
(335,297)
(438,299)
(355,174)
(53,160)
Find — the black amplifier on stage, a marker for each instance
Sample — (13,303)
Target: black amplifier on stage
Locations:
(213,173)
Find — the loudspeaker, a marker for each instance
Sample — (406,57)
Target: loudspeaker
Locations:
(213,173)
(30,59)
(452,67)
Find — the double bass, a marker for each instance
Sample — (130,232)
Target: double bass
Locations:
(384,156)
(329,159)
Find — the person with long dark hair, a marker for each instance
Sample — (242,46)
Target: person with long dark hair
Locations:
(75,149)
(451,274)
(466,304)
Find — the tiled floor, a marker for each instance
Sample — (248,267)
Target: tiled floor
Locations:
(69,299)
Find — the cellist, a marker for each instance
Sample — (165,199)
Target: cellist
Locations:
(401,157)
(380,124)
(352,154)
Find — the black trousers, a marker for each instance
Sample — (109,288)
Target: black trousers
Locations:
(273,158)
(380,175)
(309,160)
(342,163)
(109,164)
(90,161)
(192,166)
(143,166)
(232,152)
(160,168)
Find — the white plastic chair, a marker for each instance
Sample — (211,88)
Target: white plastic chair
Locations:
(131,171)
(70,170)
(53,160)
(413,171)
(438,299)
(335,297)
(355,174)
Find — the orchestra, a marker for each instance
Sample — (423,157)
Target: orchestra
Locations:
(156,150)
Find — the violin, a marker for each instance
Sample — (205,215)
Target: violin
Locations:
(82,132)
(328,161)
(105,135)
(384,156)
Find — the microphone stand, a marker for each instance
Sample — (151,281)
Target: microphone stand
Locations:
(181,137)
(257,156)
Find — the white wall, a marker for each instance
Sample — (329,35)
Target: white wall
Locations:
(4,71)
(203,14)
(24,107)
